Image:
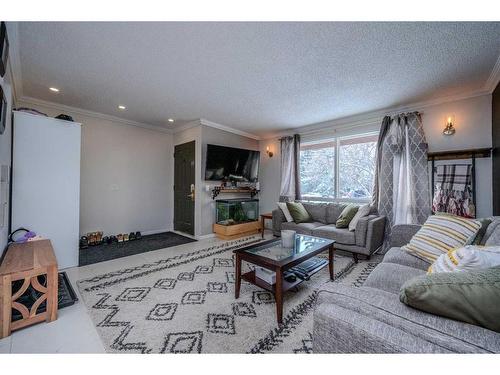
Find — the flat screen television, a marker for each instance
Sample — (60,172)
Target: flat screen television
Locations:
(232,164)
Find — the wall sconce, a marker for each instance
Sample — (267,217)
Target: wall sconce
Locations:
(269,152)
(449,129)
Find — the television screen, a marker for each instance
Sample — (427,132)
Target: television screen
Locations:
(234,164)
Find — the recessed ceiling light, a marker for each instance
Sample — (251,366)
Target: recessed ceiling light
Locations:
(53,89)
(122,107)
(170,120)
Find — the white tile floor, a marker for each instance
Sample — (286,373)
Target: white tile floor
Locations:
(73,331)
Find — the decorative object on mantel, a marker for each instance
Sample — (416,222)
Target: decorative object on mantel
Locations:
(4,49)
(454,185)
(449,129)
(222,189)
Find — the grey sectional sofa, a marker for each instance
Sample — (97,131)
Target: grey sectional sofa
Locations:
(371,319)
(365,239)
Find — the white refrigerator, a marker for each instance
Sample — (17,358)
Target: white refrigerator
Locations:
(46,181)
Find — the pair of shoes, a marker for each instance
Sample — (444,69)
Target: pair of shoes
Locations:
(84,242)
(94,238)
(131,236)
(119,237)
(125,237)
(138,235)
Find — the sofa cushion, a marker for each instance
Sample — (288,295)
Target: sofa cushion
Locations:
(301,228)
(390,277)
(468,296)
(340,235)
(317,211)
(440,234)
(366,320)
(333,211)
(397,256)
(298,212)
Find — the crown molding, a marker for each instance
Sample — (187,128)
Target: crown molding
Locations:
(374,117)
(229,129)
(97,115)
(494,77)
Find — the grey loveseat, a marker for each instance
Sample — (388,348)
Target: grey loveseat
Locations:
(365,239)
(371,319)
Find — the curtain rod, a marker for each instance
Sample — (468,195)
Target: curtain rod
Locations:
(346,126)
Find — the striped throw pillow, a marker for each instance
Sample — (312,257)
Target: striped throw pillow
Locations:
(440,234)
(467,258)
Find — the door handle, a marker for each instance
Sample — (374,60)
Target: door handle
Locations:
(191,196)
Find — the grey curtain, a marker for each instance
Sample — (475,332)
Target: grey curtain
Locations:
(290,169)
(401,188)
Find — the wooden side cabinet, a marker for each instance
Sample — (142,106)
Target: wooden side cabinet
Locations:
(27,262)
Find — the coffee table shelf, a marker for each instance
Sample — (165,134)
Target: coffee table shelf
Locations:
(252,279)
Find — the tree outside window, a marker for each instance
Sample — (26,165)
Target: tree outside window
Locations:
(320,177)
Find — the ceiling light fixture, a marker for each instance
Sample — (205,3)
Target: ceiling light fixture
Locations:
(53,89)
(122,107)
(170,120)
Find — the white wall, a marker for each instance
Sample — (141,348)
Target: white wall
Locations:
(5,149)
(126,176)
(473,118)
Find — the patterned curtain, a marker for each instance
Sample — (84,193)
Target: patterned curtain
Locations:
(290,169)
(401,190)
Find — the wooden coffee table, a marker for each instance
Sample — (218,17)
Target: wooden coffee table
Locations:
(270,255)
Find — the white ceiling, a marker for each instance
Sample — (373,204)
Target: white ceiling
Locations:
(255,77)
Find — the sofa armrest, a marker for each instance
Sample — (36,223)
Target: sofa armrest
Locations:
(401,234)
(362,228)
(278,219)
(368,320)
(370,232)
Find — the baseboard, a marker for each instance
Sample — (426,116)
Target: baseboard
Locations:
(155,231)
(205,236)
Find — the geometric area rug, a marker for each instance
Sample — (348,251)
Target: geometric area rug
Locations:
(185,304)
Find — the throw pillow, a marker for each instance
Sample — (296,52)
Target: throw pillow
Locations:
(482,231)
(440,234)
(298,212)
(470,296)
(494,238)
(346,216)
(284,209)
(467,258)
(362,212)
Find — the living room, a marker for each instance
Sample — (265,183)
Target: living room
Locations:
(249,187)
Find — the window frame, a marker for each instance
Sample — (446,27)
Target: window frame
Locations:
(336,141)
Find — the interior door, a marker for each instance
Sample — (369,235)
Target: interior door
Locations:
(184,196)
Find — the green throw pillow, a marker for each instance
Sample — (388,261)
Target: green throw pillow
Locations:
(469,296)
(346,216)
(298,212)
